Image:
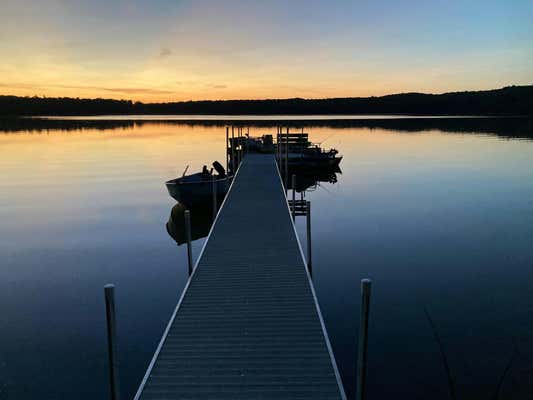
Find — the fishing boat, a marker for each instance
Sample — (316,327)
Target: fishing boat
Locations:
(301,153)
(198,188)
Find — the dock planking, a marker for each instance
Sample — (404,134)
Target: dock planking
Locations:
(247,325)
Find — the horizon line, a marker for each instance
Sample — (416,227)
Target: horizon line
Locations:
(270,99)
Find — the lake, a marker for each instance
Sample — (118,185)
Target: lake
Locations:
(437,212)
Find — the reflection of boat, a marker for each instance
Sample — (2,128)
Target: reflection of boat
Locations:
(198,188)
(315,157)
(309,178)
(201,218)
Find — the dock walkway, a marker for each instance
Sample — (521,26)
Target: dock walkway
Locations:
(248,325)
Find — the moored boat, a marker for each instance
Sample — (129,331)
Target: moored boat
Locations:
(198,188)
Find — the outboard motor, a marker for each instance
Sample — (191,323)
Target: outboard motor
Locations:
(220,169)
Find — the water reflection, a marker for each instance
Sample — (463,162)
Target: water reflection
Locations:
(201,219)
(508,127)
(309,179)
(437,212)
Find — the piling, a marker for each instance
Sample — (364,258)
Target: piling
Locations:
(109,292)
(215,205)
(309,258)
(363,340)
(227,154)
(232,150)
(239,146)
(187,216)
(279,151)
(287,161)
(277,146)
(293,183)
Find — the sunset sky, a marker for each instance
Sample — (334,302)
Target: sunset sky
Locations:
(164,50)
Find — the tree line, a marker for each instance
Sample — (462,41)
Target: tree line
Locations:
(512,100)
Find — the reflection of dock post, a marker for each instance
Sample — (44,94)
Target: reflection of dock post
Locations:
(232,150)
(227,154)
(363,340)
(188,234)
(293,183)
(215,205)
(309,258)
(109,292)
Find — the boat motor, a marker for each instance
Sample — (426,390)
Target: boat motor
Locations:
(220,169)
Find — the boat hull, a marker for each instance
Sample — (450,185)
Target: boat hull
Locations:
(190,193)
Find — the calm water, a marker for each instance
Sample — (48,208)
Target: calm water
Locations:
(440,217)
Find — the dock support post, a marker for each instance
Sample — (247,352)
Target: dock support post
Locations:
(227,154)
(188,233)
(363,340)
(287,161)
(239,146)
(232,150)
(309,258)
(215,205)
(279,152)
(109,292)
(293,184)
(277,146)
(246,149)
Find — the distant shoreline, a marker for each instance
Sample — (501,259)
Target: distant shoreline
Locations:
(508,101)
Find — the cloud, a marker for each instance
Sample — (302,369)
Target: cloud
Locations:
(136,90)
(97,88)
(219,86)
(165,52)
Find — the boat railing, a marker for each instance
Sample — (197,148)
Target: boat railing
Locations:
(203,181)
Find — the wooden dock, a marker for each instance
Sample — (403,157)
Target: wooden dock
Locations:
(247,325)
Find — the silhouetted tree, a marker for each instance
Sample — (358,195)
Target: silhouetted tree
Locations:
(513,100)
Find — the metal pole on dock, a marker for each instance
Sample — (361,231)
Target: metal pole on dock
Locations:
(232,150)
(287,161)
(242,145)
(215,205)
(247,141)
(188,234)
(227,154)
(366,285)
(109,292)
(238,146)
(309,258)
(293,183)
(277,146)
(279,151)
(239,149)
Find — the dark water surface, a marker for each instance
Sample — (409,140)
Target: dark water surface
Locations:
(438,213)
